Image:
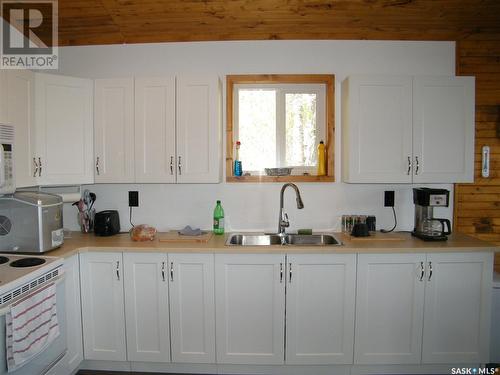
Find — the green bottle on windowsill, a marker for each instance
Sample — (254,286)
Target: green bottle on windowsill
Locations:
(218,219)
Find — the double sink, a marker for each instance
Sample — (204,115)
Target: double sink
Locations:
(287,239)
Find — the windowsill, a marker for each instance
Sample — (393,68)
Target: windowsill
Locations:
(290,178)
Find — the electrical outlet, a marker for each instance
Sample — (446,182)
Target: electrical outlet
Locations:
(133,199)
(389,198)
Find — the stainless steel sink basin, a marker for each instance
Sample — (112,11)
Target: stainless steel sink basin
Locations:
(289,240)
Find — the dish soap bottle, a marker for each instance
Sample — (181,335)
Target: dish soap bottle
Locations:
(218,219)
(238,171)
(321,159)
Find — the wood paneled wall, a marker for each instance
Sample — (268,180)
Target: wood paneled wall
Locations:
(477,205)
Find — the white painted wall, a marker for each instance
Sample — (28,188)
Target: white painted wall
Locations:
(255,206)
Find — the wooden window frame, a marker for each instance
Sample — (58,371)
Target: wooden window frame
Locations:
(327,79)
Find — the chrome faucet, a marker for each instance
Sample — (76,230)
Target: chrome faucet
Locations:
(283,219)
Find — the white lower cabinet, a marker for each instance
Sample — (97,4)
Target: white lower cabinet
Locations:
(103,314)
(146,307)
(320,300)
(192,308)
(250,305)
(423,308)
(389,307)
(276,309)
(74,355)
(457,308)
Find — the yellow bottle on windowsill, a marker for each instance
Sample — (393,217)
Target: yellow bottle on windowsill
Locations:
(321,159)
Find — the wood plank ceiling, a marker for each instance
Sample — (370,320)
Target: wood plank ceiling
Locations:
(83,22)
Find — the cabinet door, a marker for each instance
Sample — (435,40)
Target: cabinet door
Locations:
(20,101)
(3,97)
(198,129)
(320,308)
(377,129)
(250,305)
(146,307)
(457,308)
(103,306)
(389,308)
(192,307)
(443,129)
(155,129)
(64,129)
(114,130)
(74,355)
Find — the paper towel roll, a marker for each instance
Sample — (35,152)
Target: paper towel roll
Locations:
(70,197)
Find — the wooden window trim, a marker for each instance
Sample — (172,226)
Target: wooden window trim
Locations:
(327,79)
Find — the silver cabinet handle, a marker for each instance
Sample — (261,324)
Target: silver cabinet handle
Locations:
(281,273)
(163,271)
(39,167)
(422,271)
(430,271)
(409,166)
(97,165)
(417,165)
(171,165)
(180,166)
(36,167)
(118,270)
(171,271)
(289,272)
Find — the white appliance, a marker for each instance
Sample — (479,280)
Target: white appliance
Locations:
(21,275)
(7,182)
(495,321)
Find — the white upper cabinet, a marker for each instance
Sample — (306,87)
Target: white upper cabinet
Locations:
(114,130)
(64,129)
(192,307)
(155,130)
(403,129)
(320,308)
(376,129)
(250,305)
(457,308)
(20,85)
(389,308)
(198,129)
(146,307)
(3,97)
(443,129)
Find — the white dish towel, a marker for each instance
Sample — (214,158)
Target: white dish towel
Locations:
(31,326)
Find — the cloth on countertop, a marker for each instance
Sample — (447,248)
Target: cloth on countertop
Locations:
(188,231)
(31,326)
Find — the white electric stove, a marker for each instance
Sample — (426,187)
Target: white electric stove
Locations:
(19,274)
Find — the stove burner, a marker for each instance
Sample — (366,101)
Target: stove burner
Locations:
(27,262)
(3,259)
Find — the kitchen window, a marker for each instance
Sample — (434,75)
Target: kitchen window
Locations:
(280,121)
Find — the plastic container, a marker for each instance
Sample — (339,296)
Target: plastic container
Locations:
(321,159)
(218,219)
(238,169)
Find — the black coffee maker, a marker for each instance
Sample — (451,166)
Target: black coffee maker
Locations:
(427,227)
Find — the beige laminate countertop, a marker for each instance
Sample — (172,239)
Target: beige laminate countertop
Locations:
(80,242)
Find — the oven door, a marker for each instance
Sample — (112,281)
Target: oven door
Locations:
(44,361)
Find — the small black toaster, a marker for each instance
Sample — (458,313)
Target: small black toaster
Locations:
(107,223)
